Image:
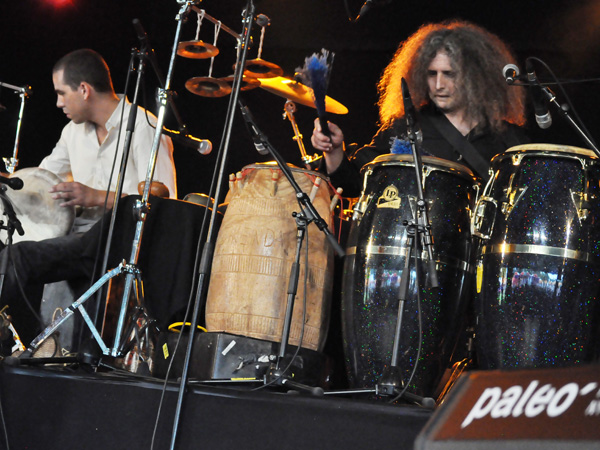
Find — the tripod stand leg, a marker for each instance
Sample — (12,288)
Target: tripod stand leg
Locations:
(68,312)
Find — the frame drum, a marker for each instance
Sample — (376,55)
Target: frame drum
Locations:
(41,216)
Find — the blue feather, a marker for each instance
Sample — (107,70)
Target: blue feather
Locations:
(315,74)
(401,147)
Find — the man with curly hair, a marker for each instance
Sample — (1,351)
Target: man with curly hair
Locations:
(454,74)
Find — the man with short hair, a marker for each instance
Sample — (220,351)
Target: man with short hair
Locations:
(88,143)
(83,157)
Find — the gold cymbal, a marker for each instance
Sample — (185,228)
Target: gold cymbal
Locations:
(259,68)
(247,82)
(299,93)
(208,87)
(196,50)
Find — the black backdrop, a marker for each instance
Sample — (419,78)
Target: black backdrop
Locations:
(35,33)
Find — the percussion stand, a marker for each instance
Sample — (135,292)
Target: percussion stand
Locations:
(289,110)
(278,373)
(219,175)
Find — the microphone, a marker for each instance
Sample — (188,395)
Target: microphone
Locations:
(410,113)
(511,73)
(141,33)
(539,97)
(255,133)
(203,146)
(14,183)
(367,6)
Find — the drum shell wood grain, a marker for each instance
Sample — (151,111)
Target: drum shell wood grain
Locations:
(253,256)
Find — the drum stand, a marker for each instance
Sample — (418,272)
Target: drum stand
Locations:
(278,373)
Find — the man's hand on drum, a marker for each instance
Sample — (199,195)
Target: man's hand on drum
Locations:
(77,194)
(333,149)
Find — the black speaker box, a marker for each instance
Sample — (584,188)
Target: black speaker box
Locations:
(223,356)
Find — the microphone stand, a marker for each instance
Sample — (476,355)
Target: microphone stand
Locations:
(24,92)
(391,381)
(277,374)
(564,112)
(12,224)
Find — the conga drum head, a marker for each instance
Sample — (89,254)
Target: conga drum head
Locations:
(549,148)
(40,215)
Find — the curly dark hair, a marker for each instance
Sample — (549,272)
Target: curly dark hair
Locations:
(85,65)
(477,55)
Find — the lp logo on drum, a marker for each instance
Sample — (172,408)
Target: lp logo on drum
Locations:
(389,198)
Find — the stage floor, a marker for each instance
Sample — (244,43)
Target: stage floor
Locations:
(50,408)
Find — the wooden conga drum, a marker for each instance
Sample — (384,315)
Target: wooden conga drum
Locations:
(253,255)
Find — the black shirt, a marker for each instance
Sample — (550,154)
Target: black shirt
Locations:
(390,138)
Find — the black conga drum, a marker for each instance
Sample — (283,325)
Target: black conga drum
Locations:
(375,258)
(538,262)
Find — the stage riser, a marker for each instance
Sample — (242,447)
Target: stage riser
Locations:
(45,410)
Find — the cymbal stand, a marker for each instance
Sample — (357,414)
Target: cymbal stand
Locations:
(24,92)
(141,208)
(288,113)
(277,374)
(216,187)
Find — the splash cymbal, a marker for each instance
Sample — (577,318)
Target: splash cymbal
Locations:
(208,87)
(247,82)
(196,50)
(259,68)
(299,93)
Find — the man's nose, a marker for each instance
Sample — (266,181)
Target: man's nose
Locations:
(439,81)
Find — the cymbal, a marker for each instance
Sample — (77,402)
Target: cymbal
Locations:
(259,68)
(299,93)
(208,87)
(247,82)
(196,50)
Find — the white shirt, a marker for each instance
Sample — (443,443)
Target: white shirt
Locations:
(79,154)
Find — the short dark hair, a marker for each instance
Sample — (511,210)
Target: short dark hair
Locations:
(85,65)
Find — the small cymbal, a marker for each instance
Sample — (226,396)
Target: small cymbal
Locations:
(259,68)
(208,87)
(247,82)
(196,50)
(299,93)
